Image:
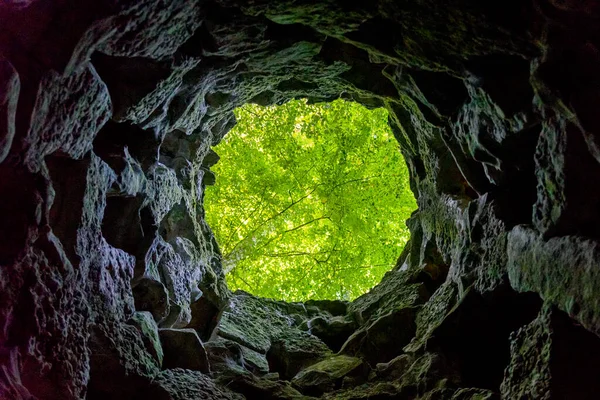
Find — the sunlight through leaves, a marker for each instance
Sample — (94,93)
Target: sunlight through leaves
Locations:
(310,201)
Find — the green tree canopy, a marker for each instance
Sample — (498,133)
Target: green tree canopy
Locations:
(311,200)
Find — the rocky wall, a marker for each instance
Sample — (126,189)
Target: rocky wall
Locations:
(110,279)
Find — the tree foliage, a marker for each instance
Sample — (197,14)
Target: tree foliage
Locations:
(310,201)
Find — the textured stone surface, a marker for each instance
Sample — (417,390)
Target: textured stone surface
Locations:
(225,355)
(67,115)
(528,374)
(109,110)
(394,368)
(255,323)
(564,271)
(323,376)
(9,95)
(144,322)
(183,349)
(253,387)
(390,295)
(183,384)
(552,357)
(384,338)
(333,331)
(151,296)
(289,354)
(475,394)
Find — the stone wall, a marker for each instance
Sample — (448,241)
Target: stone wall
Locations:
(110,278)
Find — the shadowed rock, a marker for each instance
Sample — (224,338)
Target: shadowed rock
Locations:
(327,375)
(151,296)
(183,349)
(109,111)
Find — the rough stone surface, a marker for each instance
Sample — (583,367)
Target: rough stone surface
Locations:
(552,357)
(395,292)
(333,331)
(183,349)
(145,323)
(288,355)
(106,136)
(9,96)
(384,338)
(324,376)
(204,314)
(394,368)
(562,270)
(224,355)
(151,296)
(254,387)
(183,384)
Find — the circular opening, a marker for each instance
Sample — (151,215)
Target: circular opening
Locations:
(310,200)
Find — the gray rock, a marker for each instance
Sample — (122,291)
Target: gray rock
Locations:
(151,295)
(325,375)
(224,354)
(253,322)
(394,368)
(255,361)
(333,307)
(495,117)
(144,322)
(384,338)
(433,313)
(380,390)
(9,95)
(397,290)
(178,317)
(552,357)
(562,270)
(289,354)
(332,331)
(254,387)
(183,349)
(185,384)
(204,316)
(475,394)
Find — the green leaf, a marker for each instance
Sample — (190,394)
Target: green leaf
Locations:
(310,200)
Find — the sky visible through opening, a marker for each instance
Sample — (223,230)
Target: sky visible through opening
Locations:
(310,200)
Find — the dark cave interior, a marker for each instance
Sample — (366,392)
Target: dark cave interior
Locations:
(111,280)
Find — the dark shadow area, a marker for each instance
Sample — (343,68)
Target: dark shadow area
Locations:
(129,79)
(575,365)
(69,179)
(113,138)
(497,72)
(204,317)
(444,91)
(108,376)
(121,225)
(17,211)
(476,336)
(519,178)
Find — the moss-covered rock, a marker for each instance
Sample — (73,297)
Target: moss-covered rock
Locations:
(254,387)
(552,357)
(328,374)
(144,322)
(384,338)
(289,354)
(105,155)
(184,384)
(333,331)
(396,291)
